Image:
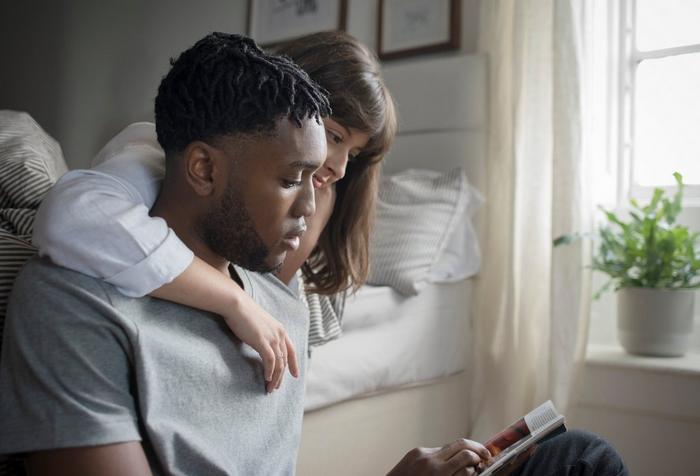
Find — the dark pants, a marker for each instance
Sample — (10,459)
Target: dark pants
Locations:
(574,453)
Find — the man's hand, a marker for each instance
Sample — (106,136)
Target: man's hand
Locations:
(462,456)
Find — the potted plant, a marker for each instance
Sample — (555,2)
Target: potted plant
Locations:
(654,266)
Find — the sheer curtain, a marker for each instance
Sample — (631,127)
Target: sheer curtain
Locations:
(532,300)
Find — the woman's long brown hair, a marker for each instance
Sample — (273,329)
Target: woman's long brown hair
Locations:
(360,100)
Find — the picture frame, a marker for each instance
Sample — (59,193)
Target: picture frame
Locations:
(412,27)
(271,22)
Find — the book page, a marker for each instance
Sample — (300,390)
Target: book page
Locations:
(508,437)
(521,434)
(541,416)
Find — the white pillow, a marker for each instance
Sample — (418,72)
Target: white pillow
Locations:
(423,230)
(461,258)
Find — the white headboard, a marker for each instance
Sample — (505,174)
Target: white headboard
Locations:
(442,115)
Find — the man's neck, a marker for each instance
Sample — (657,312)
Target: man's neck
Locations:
(182,221)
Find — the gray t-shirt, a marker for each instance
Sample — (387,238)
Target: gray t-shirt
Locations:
(84,365)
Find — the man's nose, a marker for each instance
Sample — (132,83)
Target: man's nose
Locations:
(305,205)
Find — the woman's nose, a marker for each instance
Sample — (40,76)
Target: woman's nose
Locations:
(337,164)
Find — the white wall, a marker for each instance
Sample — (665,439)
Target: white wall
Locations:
(102,61)
(85,69)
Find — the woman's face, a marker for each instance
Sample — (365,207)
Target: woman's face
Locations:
(344,144)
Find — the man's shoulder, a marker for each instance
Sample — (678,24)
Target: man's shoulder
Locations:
(41,274)
(43,284)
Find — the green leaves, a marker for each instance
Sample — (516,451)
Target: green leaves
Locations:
(649,250)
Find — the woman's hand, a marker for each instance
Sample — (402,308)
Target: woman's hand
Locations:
(203,287)
(460,457)
(254,326)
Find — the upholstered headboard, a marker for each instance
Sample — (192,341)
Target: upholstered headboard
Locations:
(442,115)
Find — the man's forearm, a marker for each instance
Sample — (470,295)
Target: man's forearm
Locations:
(106,460)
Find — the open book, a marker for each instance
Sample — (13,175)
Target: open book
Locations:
(540,424)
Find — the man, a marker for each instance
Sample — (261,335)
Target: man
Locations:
(105,384)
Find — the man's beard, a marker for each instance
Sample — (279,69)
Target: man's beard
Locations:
(229,231)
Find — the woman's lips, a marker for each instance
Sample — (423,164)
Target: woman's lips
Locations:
(318,183)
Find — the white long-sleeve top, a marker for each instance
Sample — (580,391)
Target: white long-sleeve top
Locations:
(96,221)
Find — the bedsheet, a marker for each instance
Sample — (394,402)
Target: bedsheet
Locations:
(390,341)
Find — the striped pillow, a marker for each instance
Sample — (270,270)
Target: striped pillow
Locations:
(418,214)
(30,163)
(14,252)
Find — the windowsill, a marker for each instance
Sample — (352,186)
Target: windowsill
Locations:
(615,356)
(652,387)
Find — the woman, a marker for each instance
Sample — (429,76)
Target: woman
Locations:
(97,222)
(92,223)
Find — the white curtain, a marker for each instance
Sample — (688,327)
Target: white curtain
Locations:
(532,300)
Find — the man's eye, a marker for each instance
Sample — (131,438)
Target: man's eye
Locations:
(290,183)
(352,158)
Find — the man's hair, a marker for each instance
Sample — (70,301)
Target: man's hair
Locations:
(225,84)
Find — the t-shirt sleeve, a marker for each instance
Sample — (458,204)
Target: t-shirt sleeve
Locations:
(98,223)
(65,377)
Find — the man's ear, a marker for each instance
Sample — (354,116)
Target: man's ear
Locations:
(201,167)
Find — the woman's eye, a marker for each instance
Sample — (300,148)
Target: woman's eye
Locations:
(334,137)
(290,183)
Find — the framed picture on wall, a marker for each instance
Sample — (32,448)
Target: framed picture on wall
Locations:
(412,27)
(275,21)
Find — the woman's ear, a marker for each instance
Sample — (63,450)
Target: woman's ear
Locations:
(201,167)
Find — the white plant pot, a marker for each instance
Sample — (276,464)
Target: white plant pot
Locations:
(655,322)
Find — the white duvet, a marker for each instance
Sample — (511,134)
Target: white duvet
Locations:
(391,341)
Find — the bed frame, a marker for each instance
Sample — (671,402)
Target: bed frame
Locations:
(442,124)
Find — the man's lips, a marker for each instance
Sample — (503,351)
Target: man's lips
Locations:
(291,240)
(292,243)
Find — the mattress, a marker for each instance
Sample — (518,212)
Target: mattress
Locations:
(390,341)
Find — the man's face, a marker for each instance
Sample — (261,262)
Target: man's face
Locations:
(261,212)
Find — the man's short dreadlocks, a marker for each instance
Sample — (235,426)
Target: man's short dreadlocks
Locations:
(225,84)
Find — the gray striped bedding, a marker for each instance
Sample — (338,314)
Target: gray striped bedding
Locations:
(30,162)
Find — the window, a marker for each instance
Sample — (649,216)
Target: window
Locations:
(658,96)
(643,97)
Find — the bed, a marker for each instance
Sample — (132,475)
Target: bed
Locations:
(398,378)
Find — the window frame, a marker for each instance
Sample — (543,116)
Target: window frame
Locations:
(629,59)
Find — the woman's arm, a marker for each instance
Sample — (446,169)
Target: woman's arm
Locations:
(97,222)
